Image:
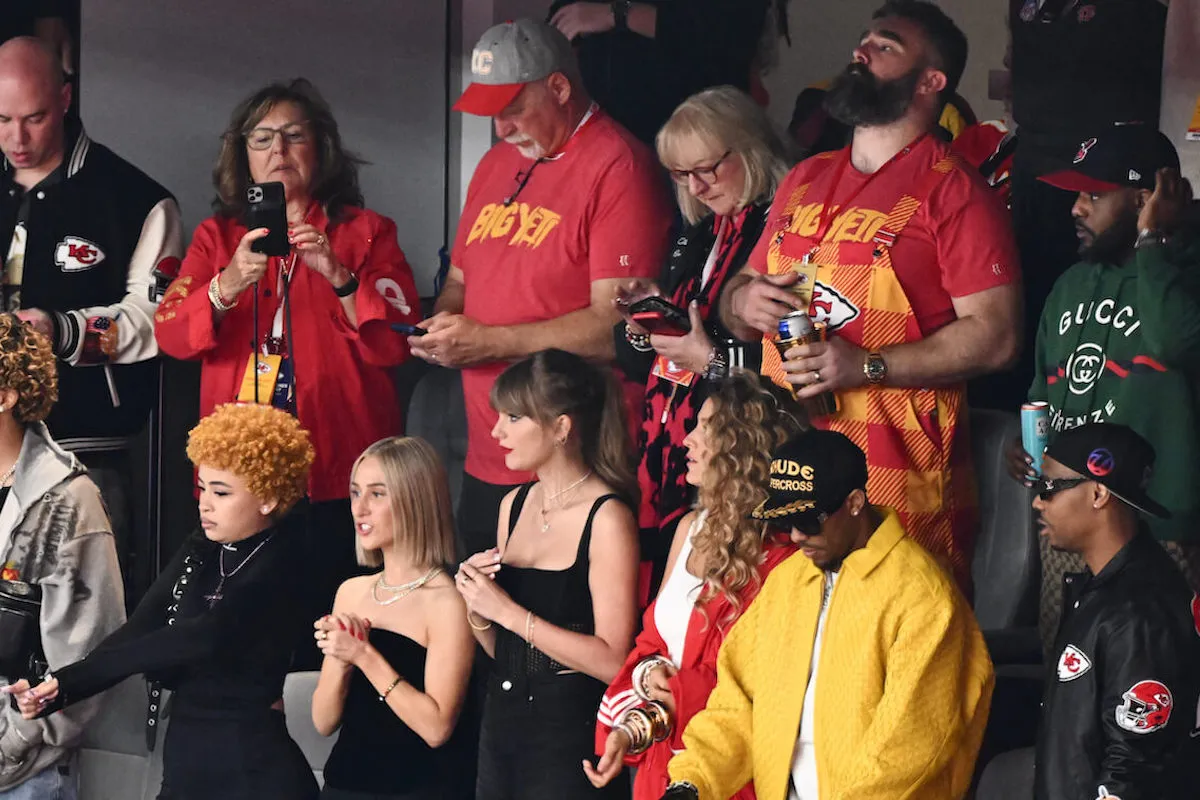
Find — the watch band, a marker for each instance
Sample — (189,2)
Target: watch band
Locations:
(620,12)
(875,368)
(1149,237)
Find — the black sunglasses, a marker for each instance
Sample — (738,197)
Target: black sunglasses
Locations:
(811,526)
(1048,487)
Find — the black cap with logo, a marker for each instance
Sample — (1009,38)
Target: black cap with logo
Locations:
(1112,455)
(812,474)
(1125,155)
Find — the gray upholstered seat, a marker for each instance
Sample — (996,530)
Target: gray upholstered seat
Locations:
(113,761)
(437,414)
(1008,776)
(297,706)
(1006,569)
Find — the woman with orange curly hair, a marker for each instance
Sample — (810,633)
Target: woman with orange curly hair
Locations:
(218,626)
(718,561)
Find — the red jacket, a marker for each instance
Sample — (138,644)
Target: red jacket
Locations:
(344,392)
(690,686)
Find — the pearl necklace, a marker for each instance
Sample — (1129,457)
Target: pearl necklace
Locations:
(402,590)
(551,498)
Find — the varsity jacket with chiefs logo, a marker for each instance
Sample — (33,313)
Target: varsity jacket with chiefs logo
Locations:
(1119,718)
(93,241)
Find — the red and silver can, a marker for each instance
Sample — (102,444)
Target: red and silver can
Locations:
(798,328)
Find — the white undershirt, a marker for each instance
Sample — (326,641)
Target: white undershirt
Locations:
(711,263)
(804,757)
(677,598)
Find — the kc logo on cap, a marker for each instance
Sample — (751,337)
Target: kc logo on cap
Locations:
(481,62)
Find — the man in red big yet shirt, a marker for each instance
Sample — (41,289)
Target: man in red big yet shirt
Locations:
(563,210)
(906,257)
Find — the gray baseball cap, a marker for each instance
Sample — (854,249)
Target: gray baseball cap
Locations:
(508,56)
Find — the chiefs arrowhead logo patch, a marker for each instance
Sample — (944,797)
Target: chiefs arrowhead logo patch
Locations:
(74,254)
(1072,664)
(831,308)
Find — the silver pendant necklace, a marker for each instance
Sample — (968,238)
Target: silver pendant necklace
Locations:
(217,595)
(402,590)
(551,498)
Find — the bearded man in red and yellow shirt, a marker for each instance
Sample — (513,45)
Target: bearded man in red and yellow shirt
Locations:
(900,250)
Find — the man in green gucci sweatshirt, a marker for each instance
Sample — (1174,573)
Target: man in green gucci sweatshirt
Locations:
(1119,339)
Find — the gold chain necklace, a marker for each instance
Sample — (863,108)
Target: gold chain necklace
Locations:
(551,498)
(402,590)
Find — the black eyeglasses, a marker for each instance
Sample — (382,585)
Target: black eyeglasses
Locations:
(1048,487)
(706,175)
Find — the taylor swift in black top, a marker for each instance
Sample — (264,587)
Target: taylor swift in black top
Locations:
(217,628)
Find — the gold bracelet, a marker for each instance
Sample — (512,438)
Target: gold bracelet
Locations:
(637,726)
(477,627)
(388,690)
(660,720)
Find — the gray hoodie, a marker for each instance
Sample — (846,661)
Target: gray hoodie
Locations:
(54,531)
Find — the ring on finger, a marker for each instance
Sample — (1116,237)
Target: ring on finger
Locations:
(816,376)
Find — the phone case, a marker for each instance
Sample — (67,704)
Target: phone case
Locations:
(267,208)
(662,315)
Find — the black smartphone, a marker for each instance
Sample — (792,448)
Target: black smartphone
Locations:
(658,316)
(267,208)
(408,330)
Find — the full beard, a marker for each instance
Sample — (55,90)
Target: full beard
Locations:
(1112,244)
(859,99)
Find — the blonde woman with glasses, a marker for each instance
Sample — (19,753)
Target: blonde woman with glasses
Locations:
(726,160)
(397,647)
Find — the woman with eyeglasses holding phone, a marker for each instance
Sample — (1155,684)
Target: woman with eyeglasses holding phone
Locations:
(726,160)
(218,626)
(319,311)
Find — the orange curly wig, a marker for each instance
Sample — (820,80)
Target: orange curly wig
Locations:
(263,446)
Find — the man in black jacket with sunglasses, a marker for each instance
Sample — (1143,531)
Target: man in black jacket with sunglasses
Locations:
(1119,716)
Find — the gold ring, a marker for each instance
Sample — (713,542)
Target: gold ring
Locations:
(320,240)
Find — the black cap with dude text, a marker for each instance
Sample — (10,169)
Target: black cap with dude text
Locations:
(812,474)
(1122,156)
(1114,456)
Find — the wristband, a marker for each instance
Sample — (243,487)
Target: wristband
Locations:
(348,288)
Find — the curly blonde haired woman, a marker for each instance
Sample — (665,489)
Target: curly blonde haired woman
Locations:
(718,561)
(218,626)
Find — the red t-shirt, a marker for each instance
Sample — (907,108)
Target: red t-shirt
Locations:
(959,242)
(600,210)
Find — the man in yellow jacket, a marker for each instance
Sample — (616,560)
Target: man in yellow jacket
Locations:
(858,673)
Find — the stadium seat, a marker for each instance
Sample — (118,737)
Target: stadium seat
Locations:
(1009,776)
(438,415)
(297,706)
(113,762)
(1006,569)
